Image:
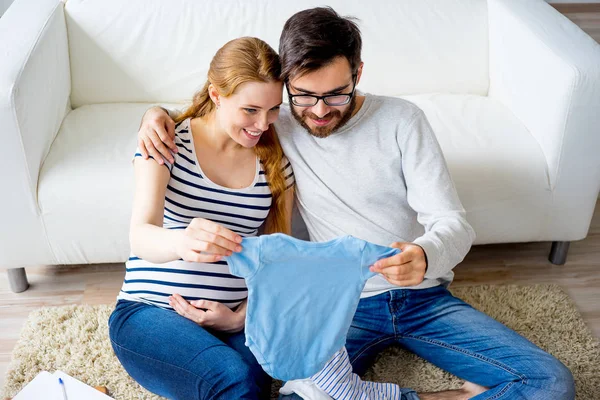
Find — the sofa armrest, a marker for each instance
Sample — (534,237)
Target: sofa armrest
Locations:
(546,70)
(34,99)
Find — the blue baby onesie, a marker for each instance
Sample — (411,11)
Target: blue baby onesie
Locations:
(302,297)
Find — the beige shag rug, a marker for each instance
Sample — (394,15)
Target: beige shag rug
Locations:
(74,339)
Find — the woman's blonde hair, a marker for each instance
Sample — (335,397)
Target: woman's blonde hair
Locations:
(242,60)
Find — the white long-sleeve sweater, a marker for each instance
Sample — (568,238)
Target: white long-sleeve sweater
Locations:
(381,178)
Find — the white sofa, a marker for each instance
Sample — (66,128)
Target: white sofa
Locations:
(511,88)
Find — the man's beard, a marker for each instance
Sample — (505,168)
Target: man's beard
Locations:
(324,131)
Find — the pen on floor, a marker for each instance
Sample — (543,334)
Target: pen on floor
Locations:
(64,391)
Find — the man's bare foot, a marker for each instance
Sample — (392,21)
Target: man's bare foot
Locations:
(467,391)
(473,389)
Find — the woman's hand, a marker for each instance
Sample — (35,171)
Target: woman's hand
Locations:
(205,241)
(156,135)
(210,314)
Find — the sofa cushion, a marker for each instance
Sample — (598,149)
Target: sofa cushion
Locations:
(496,165)
(86,183)
(85,189)
(156,50)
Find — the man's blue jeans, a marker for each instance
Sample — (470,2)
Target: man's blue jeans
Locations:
(172,356)
(449,333)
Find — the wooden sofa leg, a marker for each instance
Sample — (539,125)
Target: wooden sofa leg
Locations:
(558,252)
(17,278)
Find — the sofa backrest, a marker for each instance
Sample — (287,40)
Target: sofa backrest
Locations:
(160,50)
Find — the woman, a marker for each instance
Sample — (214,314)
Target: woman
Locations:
(229,176)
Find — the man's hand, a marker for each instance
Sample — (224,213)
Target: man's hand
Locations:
(209,314)
(156,135)
(404,269)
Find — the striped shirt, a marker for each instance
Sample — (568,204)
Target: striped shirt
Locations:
(339,382)
(190,194)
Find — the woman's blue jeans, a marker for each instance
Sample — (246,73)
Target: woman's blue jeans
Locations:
(451,334)
(174,357)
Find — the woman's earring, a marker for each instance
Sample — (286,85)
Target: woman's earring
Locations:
(218,105)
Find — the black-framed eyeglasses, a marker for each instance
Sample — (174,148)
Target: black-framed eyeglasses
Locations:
(309,100)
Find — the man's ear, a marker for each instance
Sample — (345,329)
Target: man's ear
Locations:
(214,94)
(359,72)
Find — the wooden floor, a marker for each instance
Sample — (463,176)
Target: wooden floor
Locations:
(588,22)
(523,263)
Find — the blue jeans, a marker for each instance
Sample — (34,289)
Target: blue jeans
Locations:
(452,335)
(174,357)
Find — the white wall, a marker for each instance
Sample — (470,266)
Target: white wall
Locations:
(4,5)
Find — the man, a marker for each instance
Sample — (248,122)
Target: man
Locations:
(371,167)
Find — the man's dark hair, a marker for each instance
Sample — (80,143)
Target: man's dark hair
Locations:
(313,38)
